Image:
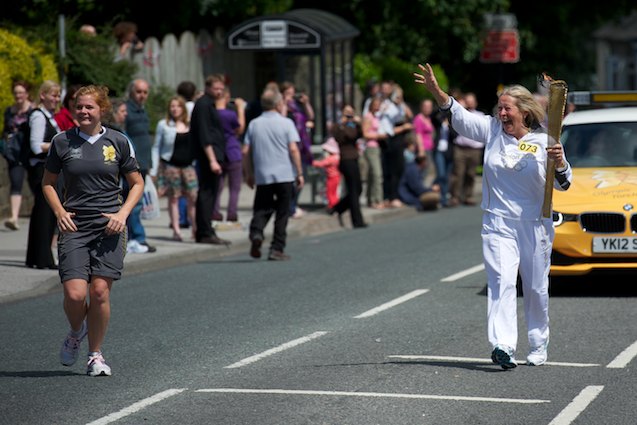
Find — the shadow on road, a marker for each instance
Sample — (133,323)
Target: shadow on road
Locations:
(468,365)
(596,284)
(38,373)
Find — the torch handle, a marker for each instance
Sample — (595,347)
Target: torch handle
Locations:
(557,102)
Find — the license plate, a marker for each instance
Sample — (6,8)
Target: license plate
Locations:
(603,245)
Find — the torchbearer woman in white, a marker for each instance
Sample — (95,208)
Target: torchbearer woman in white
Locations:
(515,236)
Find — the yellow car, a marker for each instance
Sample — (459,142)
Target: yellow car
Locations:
(595,220)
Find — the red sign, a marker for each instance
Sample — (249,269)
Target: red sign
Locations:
(501,46)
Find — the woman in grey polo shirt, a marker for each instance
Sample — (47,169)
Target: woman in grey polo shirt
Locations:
(91,219)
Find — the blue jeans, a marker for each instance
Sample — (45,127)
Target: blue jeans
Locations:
(134,224)
(443,171)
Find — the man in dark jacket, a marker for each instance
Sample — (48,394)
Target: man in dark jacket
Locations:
(209,146)
(138,130)
(412,190)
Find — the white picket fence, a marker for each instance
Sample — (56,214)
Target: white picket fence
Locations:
(173,60)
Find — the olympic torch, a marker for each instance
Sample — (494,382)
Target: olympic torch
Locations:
(557,101)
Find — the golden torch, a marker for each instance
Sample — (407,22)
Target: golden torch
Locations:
(555,113)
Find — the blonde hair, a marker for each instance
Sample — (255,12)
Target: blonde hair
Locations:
(47,87)
(530,108)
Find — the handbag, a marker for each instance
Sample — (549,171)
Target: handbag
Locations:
(16,149)
(150,201)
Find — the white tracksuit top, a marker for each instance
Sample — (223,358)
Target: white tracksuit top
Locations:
(514,170)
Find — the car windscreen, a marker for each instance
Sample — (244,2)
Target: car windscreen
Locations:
(601,144)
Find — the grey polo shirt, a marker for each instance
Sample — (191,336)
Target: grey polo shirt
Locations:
(269,137)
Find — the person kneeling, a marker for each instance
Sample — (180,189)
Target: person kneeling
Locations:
(412,190)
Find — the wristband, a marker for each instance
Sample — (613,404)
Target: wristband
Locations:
(447,105)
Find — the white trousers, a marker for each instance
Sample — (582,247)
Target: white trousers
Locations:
(512,246)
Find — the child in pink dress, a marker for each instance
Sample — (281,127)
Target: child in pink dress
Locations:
(333,175)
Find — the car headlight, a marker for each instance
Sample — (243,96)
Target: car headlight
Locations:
(560,218)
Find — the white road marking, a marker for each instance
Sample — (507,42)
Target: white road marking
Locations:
(275,350)
(369,394)
(460,275)
(392,303)
(483,360)
(577,406)
(624,357)
(136,407)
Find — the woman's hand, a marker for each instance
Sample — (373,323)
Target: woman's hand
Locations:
(240,103)
(65,222)
(116,223)
(556,153)
(428,79)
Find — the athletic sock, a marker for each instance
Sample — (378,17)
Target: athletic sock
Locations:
(77,334)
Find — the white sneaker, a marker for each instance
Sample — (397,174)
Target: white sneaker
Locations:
(537,356)
(96,365)
(504,356)
(134,247)
(71,346)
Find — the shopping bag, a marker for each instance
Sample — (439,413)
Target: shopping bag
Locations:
(150,201)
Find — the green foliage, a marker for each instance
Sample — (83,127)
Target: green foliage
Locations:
(366,70)
(89,60)
(397,70)
(401,73)
(422,30)
(556,37)
(245,9)
(20,60)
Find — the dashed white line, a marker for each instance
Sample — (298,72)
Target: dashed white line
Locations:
(577,406)
(624,357)
(136,407)
(275,350)
(460,275)
(392,303)
(482,360)
(369,394)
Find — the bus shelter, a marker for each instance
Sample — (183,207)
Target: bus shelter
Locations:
(309,47)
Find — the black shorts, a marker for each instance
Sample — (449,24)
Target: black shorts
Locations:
(91,252)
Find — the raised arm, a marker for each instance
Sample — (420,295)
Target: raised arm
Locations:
(428,79)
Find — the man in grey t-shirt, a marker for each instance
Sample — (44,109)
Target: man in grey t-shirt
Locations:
(273,163)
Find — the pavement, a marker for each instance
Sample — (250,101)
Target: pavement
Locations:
(18,282)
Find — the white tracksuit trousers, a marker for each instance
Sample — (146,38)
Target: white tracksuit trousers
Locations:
(510,246)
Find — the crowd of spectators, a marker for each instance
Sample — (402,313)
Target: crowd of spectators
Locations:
(198,148)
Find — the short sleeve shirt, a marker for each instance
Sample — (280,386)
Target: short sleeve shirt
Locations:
(230,122)
(269,137)
(91,169)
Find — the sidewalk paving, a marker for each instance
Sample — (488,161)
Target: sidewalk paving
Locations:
(19,282)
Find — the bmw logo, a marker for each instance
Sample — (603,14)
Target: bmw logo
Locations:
(628,207)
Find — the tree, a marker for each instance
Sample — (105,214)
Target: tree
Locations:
(21,61)
(554,36)
(89,60)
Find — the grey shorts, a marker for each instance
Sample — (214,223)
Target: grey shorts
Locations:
(91,252)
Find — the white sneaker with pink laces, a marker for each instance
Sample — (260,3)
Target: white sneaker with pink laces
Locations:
(97,365)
